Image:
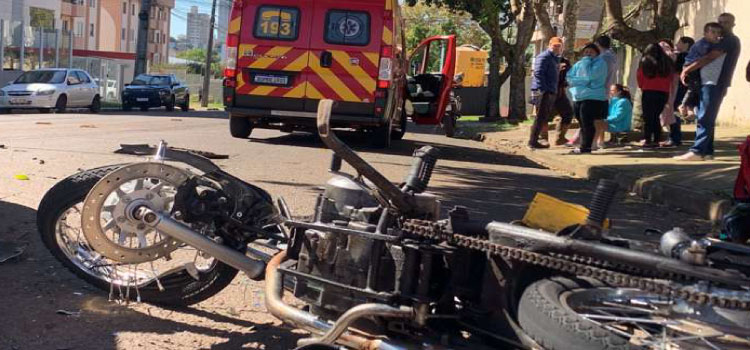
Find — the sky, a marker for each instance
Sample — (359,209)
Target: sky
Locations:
(179,14)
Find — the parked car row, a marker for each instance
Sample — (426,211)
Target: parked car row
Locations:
(57,89)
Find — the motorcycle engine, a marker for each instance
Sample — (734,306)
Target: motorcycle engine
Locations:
(344,270)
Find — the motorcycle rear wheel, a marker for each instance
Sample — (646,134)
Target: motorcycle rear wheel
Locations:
(561,313)
(175,287)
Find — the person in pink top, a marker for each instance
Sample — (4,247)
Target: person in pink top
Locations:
(655,76)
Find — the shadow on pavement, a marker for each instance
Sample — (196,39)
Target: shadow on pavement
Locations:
(505,196)
(360,142)
(34,286)
(162,113)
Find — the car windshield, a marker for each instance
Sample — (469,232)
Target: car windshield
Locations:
(151,80)
(42,76)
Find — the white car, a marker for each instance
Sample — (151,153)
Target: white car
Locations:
(51,89)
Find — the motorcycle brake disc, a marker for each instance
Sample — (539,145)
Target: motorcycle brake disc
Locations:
(107,215)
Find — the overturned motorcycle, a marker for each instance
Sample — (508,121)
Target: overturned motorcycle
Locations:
(379,269)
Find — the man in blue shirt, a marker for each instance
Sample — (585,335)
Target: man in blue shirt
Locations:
(544,86)
(725,53)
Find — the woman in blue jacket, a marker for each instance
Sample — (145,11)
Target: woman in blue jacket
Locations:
(620,110)
(587,80)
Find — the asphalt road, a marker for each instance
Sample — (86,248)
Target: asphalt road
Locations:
(48,147)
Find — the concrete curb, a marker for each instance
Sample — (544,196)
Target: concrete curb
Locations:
(704,204)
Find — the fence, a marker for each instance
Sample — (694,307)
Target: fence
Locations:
(24,48)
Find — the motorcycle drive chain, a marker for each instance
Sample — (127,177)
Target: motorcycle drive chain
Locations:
(572,265)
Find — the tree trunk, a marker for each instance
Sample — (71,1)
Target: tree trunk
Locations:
(517,103)
(525,25)
(495,80)
(542,16)
(570,23)
(664,24)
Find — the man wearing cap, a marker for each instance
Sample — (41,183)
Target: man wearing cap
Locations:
(544,88)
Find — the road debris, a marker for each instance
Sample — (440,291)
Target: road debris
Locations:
(21,177)
(146,150)
(68,313)
(43,123)
(176,120)
(88,126)
(10,250)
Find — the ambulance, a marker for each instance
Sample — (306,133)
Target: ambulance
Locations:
(284,56)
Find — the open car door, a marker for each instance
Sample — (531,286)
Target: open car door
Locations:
(430,78)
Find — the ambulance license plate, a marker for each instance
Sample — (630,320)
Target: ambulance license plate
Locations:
(271,79)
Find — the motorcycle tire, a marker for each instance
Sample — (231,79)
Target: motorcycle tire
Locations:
(180,288)
(546,318)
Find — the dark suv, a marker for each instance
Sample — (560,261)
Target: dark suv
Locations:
(155,90)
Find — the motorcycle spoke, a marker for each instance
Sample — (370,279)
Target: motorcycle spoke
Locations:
(142,242)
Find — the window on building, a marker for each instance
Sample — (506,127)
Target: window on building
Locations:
(132,10)
(132,37)
(153,12)
(163,38)
(122,34)
(124,8)
(80,28)
(92,3)
(91,30)
(160,13)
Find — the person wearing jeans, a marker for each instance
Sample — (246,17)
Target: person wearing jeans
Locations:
(587,81)
(544,85)
(716,70)
(655,78)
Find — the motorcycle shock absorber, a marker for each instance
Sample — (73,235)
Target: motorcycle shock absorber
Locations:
(600,203)
(423,163)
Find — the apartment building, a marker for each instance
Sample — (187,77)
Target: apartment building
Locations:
(119,28)
(197,28)
(222,25)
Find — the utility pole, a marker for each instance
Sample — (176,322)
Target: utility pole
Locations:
(209,53)
(142,44)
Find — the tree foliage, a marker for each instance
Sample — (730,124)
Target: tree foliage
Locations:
(197,59)
(424,21)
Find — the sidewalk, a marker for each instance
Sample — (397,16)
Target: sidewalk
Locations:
(699,188)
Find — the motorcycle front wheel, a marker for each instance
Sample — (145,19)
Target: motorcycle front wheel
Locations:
(561,313)
(187,279)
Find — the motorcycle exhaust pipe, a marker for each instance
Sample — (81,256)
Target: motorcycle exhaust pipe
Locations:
(165,224)
(327,333)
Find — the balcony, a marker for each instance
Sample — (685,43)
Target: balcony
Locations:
(73,8)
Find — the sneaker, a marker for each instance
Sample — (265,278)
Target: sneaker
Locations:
(561,142)
(689,157)
(578,151)
(708,157)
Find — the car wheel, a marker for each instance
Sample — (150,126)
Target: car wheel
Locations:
(144,109)
(170,105)
(381,136)
(96,105)
(240,127)
(61,104)
(400,128)
(186,105)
